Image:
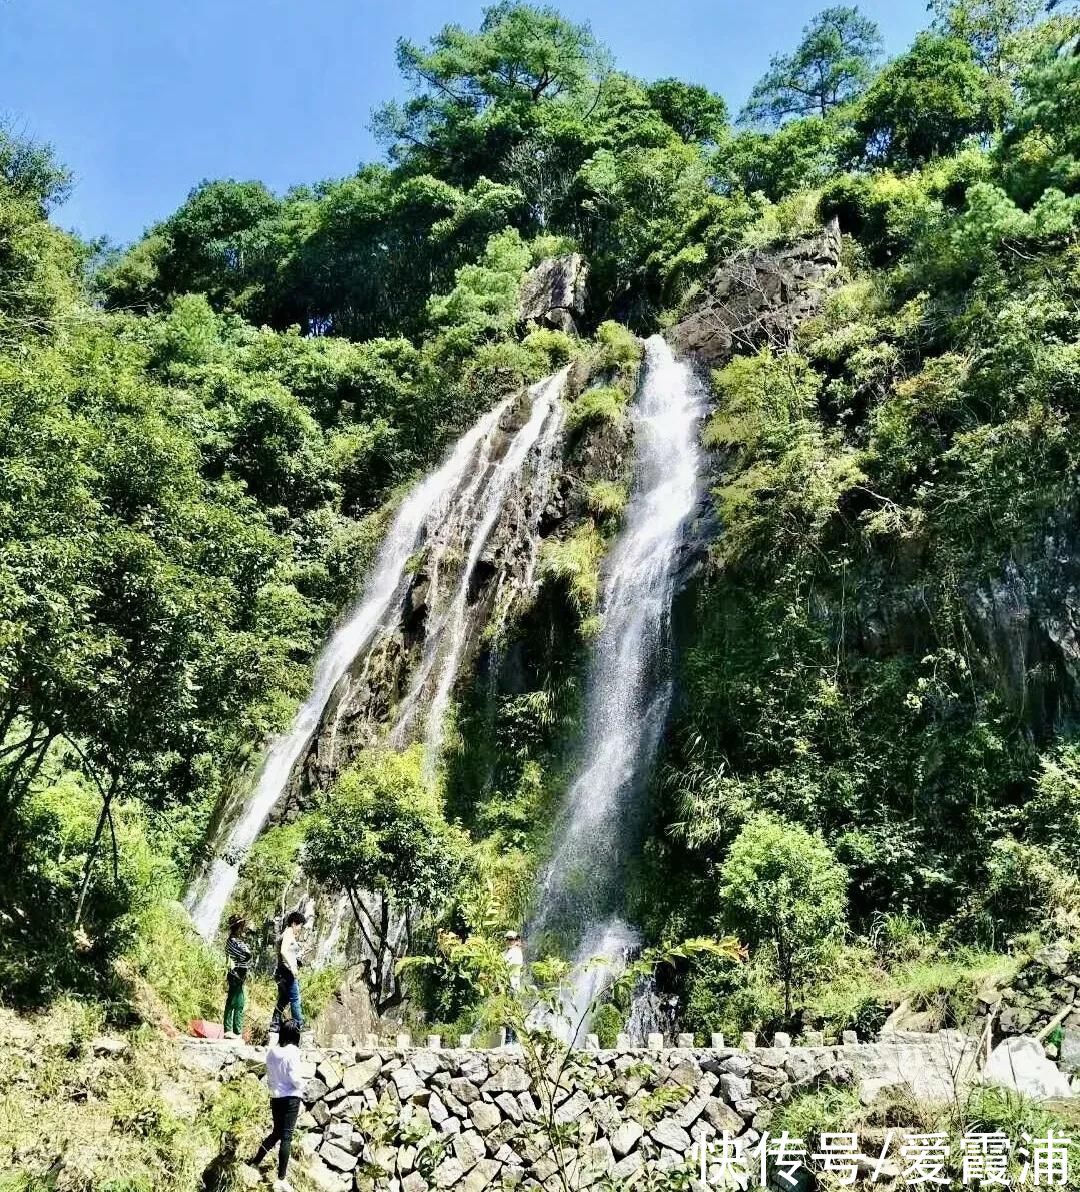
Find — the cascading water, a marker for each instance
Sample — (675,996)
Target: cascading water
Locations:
(381,599)
(445,642)
(582,892)
(455,509)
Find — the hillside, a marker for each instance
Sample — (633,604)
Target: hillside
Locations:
(840,710)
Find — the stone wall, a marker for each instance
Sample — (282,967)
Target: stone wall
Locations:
(408,1119)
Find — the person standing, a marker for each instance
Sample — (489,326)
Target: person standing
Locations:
(514,956)
(286,1097)
(238,962)
(287,974)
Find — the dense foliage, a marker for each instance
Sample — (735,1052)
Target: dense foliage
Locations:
(201,438)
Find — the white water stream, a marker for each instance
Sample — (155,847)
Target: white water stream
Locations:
(455,509)
(380,602)
(582,892)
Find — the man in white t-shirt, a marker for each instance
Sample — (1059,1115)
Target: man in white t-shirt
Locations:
(285,1080)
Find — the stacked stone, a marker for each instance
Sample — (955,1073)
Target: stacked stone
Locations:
(1041,996)
(409,1119)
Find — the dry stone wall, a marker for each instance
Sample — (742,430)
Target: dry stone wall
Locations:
(410,1119)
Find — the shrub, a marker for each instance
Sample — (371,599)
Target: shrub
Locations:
(607,1022)
(618,348)
(574,561)
(595,407)
(607,498)
(783,889)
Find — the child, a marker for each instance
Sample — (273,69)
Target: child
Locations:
(238,960)
(286,1091)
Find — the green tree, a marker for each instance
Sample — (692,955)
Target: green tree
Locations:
(783,887)
(381,834)
(1041,148)
(992,28)
(925,104)
(831,65)
(477,94)
(30,171)
(210,245)
(695,113)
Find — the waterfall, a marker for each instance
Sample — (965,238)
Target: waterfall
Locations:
(379,604)
(581,895)
(454,511)
(445,641)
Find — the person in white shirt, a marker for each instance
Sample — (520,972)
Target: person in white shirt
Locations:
(287,974)
(286,1097)
(514,956)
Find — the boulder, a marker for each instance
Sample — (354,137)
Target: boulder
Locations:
(485,1117)
(469,1148)
(330,1074)
(1054,957)
(324,1178)
(510,1079)
(668,1133)
(447,1173)
(349,1011)
(553,292)
(722,1116)
(1020,1064)
(626,1137)
(481,1176)
(464,1089)
(358,1076)
(337,1157)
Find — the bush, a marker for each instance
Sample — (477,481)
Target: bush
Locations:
(605,404)
(182,969)
(574,561)
(784,890)
(607,498)
(618,348)
(607,1022)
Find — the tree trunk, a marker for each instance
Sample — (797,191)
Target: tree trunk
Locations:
(95,846)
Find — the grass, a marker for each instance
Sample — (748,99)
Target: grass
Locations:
(131,1122)
(862,988)
(607,499)
(185,972)
(617,348)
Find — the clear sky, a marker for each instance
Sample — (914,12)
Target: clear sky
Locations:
(142,99)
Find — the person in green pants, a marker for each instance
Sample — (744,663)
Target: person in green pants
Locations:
(238,960)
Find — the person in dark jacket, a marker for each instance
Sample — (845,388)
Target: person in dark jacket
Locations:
(238,965)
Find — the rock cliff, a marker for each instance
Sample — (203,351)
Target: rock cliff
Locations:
(758,297)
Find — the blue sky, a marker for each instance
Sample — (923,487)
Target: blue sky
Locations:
(144,98)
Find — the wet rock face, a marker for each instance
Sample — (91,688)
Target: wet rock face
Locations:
(1026,620)
(758,297)
(553,293)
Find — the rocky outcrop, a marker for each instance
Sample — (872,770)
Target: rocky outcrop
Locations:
(758,297)
(553,293)
(471,1119)
(1026,619)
